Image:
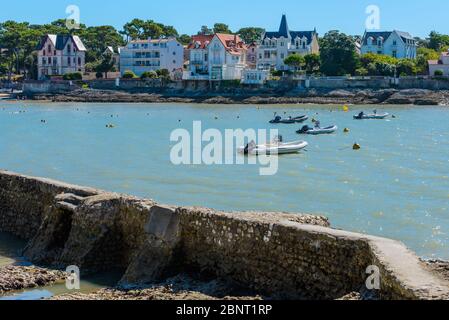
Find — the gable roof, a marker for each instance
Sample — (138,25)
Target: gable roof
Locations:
(232,43)
(60,41)
(405,36)
(202,40)
(375,35)
(285,32)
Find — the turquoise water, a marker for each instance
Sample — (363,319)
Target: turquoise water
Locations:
(396,186)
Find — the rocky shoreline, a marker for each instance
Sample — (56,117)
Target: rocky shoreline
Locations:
(14,278)
(311,96)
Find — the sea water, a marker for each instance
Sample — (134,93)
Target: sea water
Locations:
(396,186)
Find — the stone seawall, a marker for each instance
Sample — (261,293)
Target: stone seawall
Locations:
(277,254)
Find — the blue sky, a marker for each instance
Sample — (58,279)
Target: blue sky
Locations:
(419,17)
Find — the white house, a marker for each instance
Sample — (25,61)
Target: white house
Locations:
(227,57)
(198,67)
(115,55)
(278,45)
(442,64)
(216,57)
(60,54)
(395,43)
(140,56)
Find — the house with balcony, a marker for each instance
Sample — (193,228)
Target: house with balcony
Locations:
(60,54)
(227,57)
(278,45)
(251,55)
(141,56)
(396,44)
(198,65)
(216,57)
(440,66)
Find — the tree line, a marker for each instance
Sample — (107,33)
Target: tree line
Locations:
(338,56)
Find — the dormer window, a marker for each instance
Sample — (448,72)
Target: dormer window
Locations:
(370,41)
(380,41)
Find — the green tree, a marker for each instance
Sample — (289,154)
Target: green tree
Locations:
(205,30)
(149,75)
(251,34)
(423,57)
(338,54)
(312,63)
(185,39)
(128,74)
(295,61)
(438,41)
(221,28)
(97,39)
(106,65)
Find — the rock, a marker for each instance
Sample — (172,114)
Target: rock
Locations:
(13,278)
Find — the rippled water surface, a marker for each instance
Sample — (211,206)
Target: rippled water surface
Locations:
(396,186)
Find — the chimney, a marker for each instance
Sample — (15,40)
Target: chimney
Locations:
(235,40)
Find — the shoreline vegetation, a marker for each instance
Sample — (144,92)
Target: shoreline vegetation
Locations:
(422,97)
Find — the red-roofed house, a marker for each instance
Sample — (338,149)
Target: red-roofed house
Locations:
(227,57)
(216,57)
(198,58)
(442,64)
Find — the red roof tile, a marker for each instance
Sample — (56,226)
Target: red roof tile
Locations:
(202,40)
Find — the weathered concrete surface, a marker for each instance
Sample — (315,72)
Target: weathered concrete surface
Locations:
(275,254)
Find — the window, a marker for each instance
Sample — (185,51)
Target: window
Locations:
(49,60)
(395,42)
(49,48)
(54,52)
(395,54)
(44,52)
(79,60)
(69,61)
(69,49)
(282,56)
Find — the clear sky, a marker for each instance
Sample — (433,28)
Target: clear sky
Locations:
(418,17)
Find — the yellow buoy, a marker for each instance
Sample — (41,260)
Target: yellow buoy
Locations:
(346,130)
(345,108)
(356,146)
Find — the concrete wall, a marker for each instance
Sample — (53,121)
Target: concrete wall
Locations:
(36,87)
(278,254)
(157,85)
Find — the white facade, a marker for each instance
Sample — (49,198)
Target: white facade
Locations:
(225,62)
(275,47)
(442,64)
(221,58)
(198,68)
(140,56)
(396,44)
(60,54)
(254,76)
